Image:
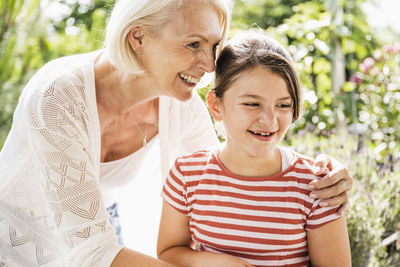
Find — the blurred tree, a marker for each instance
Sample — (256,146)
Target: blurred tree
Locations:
(262,13)
(28,40)
(16,18)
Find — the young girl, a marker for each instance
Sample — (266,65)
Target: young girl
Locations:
(246,202)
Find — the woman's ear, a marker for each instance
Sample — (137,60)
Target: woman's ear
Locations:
(214,105)
(135,38)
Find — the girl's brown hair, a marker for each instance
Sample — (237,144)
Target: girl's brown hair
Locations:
(251,49)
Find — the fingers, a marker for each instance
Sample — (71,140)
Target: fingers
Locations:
(343,209)
(322,164)
(342,199)
(331,192)
(340,173)
(333,188)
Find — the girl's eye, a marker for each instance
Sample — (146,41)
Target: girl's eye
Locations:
(194,45)
(285,105)
(251,104)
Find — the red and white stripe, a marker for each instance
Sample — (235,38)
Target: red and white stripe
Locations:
(262,220)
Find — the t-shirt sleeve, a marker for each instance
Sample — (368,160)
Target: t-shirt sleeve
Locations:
(174,190)
(320,216)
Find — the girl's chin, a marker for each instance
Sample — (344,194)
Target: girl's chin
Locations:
(262,152)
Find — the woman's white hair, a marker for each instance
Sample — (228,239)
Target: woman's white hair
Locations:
(151,15)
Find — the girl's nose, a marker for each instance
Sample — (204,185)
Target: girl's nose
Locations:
(267,115)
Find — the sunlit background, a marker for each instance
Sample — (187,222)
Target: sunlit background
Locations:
(348,55)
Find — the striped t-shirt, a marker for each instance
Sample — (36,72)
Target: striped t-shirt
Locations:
(262,220)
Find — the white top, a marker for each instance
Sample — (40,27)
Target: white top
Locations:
(120,172)
(287,157)
(51,207)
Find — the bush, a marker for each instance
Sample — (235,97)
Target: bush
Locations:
(374,211)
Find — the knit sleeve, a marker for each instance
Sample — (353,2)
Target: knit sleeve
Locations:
(174,190)
(58,123)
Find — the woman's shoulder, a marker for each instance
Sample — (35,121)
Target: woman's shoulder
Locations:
(68,63)
(61,70)
(65,75)
(62,86)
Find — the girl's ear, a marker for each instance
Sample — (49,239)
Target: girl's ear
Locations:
(135,38)
(214,105)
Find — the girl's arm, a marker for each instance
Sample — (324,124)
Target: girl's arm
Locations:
(328,245)
(174,243)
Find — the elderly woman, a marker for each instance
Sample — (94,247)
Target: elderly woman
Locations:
(84,122)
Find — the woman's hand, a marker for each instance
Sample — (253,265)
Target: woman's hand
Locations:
(333,188)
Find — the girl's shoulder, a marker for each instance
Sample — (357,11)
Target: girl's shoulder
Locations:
(297,160)
(199,155)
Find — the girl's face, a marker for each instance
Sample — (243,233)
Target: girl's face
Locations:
(256,111)
(184,50)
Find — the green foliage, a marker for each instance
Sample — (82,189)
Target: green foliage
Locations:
(374,211)
(25,46)
(13,66)
(262,13)
(378,87)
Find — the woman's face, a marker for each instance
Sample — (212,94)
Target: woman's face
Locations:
(183,50)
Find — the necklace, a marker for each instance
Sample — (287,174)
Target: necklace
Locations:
(143,135)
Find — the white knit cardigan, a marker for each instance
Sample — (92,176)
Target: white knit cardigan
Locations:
(51,207)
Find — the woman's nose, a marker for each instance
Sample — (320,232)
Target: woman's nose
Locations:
(207,60)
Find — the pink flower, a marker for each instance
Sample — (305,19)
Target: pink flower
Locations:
(396,48)
(387,48)
(375,71)
(391,48)
(367,64)
(355,78)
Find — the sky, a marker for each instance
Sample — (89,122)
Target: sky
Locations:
(384,13)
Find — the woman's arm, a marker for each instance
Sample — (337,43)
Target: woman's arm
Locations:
(174,243)
(333,188)
(59,126)
(328,245)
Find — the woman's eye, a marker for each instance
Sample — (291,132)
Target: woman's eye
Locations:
(194,45)
(215,48)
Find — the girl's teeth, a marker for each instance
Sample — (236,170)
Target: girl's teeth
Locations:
(263,134)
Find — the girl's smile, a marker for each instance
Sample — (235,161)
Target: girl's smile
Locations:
(256,111)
